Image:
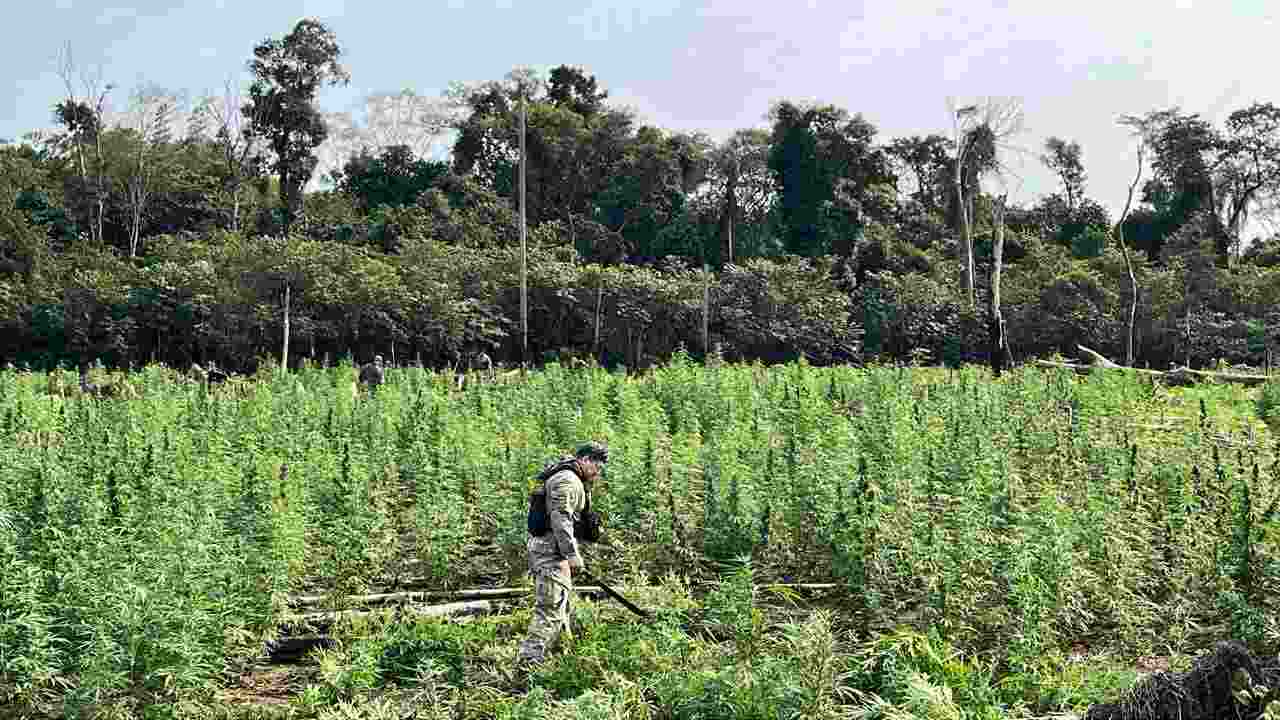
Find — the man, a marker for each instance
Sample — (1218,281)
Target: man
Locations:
(372,374)
(474,361)
(482,363)
(555,554)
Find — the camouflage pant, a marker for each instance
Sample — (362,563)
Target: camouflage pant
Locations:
(551,589)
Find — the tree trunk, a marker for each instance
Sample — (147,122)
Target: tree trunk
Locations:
(966,237)
(730,213)
(599,306)
(1128,262)
(706,311)
(998,347)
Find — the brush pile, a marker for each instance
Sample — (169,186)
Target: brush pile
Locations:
(1226,684)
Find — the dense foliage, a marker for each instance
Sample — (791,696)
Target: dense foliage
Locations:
(148,542)
(412,257)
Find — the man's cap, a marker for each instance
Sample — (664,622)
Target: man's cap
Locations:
(594,451)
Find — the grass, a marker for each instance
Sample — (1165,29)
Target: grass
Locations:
(1005,547)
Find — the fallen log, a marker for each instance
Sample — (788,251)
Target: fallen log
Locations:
(413,596)
(410,596)
(1177,376)
(1098,358)
(324,620)
(304,633)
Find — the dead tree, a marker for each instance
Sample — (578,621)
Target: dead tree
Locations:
(84,119)
(151,115)
(999,348)
(1142,131)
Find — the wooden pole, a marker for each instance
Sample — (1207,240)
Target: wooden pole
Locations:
(524,253)
(284,352)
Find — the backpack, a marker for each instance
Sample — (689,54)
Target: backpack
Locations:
(586,527)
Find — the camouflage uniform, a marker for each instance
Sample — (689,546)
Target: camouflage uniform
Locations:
(552,584)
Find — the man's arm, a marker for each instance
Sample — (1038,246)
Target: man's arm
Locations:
(565,495)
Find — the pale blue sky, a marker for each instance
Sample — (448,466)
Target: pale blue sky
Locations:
(715,65)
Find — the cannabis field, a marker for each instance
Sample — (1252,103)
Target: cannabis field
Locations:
(1014,547)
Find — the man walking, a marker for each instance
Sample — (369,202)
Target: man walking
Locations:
(553,549)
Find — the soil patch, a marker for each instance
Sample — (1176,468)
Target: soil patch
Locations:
(261,686)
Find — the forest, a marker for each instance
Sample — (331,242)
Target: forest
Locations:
(164,229)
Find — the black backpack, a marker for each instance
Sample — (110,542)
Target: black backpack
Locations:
(586,527)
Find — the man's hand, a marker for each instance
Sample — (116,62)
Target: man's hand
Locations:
(569,565)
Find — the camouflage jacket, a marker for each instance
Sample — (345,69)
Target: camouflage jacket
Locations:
(566,500)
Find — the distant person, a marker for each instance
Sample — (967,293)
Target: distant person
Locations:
(372,374)
(482,363)
(215,374)
(474,361)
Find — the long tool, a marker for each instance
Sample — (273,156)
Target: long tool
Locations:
(615,595)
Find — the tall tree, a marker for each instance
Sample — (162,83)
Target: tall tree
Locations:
(150,126)
(238,150)
(1247,172)
(288,74)
(82,113)
(981,133)
(1180,186)
(929,161)
(393,178)
(1142,132)
(1064,159)
(738,173)
(573,89)
(814,148)
(999,345)
(613,186)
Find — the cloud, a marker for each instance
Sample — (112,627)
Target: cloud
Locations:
(109,15)
(324,8)
(601,21)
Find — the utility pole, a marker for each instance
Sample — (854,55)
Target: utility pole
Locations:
(524,253)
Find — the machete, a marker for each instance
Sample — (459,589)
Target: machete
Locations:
(615,595)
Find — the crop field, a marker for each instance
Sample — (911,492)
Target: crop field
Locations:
(811,542)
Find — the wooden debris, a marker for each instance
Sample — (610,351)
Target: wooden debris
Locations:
(411,596)
(1176,376)
(326,619)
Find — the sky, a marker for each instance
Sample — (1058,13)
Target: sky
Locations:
(717,65)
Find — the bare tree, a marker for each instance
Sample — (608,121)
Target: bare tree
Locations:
(981,132)
(405,119)
(150,120)
(237,149)
(83,115)
(999,347)
(1142,130)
